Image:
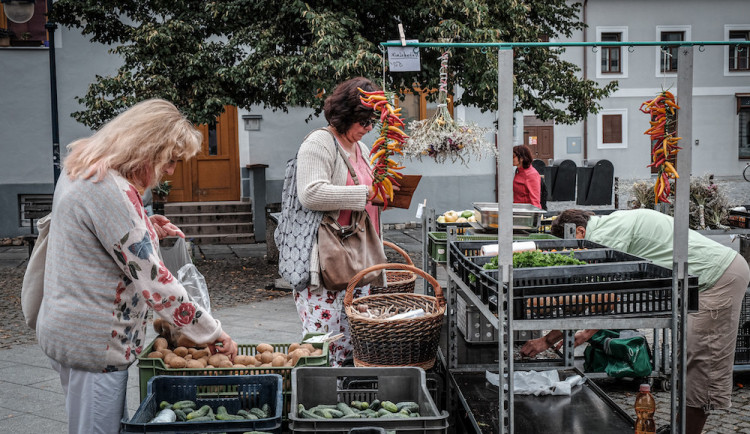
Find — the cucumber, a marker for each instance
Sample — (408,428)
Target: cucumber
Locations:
(409,405)
(375,404)
(258,412)
(383,412)
(345,409)
(179,405)
(266,409)
(223,414)
(352,416)
(202,419)
(388,405)
(247,415)
(164,404)
(369,413)
(201,412)
(307,414)
(181,416)
(326,413)
(360,405)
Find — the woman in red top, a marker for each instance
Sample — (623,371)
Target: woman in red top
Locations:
(527,184)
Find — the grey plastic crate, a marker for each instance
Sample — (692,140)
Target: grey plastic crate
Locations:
(315,386)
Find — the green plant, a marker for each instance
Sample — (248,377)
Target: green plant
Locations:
(26,36)
(162,190)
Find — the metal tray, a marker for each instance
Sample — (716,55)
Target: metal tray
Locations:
(587,409)
(525,216)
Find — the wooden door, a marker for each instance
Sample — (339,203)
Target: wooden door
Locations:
(539,137)
(214,174)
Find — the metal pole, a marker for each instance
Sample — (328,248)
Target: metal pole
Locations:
(682,200)
(505,234)
(51,27)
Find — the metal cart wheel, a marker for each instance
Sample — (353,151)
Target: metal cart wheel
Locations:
(665,385)
(746,172)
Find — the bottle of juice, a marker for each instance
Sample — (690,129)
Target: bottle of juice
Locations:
(645,407)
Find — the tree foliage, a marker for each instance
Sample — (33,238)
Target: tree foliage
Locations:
(204,54)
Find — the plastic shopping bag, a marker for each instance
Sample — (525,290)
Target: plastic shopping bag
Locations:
(177,256)
(195,285)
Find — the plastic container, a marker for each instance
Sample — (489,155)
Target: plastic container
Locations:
(233,392)
(645,407)
(742,351)
(148,368)
(314,386)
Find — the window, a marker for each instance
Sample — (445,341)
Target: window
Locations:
(611,61)
(669,54)
(416,107)
(611,55)
(666,56)
(738,55)
(31,33)
(611,131)
(743,116)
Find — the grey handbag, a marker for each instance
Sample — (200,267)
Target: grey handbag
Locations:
(296,232)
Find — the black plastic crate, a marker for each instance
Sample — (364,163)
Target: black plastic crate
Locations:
(233,392)
(314,386)
(624,288)
(460,227)
(742,352)
(739,219)
(466,262)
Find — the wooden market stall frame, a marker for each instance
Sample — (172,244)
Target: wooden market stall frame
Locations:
(504,323)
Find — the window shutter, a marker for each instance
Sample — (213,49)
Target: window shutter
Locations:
(612,128)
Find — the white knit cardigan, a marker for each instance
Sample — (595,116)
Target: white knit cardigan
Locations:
(321,185)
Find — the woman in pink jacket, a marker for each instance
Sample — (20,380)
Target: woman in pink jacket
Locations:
(527,184)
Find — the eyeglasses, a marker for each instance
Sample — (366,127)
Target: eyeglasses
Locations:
(368,122)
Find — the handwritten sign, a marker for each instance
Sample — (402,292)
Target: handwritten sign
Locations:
(403,59)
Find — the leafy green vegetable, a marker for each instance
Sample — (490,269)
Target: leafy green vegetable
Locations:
(537,259)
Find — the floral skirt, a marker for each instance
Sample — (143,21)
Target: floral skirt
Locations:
(322,311)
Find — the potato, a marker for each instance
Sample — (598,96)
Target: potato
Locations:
(278,361)
(194,364)
(201,353)
(317,352)
(203,361)
(216,359)
(266,357)
(244,360)
(276,354)
(308,347)
(181,351)
(155,355)
(168,358)
(160,343)
(225,363)
(184,341)
(177,362)
(262,348)
(293,347)
(239,365)
(258,362)
(289,363)
(266,365)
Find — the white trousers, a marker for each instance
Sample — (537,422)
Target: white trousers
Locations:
(95,401)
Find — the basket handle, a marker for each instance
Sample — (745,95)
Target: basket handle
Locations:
(399,250)
(349,297)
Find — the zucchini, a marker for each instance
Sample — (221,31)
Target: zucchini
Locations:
(360,405)
(181,416)
(325,412)
(375,404)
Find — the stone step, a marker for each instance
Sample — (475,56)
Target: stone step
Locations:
(205,218)
(215,228)
(240,238)
(206,207)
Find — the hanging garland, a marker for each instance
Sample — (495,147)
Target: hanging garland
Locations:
(663,131)
(390,142)
(440,137)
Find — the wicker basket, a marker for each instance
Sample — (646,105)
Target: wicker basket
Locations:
(404,342)
(398,280)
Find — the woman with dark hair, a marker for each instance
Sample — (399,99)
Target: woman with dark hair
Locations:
(527,184)
(325,183)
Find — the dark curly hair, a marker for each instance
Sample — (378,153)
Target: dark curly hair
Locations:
(578,217)
(343,108)
(524,155)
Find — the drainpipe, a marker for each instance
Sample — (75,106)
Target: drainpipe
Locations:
(585,76)
(50,26)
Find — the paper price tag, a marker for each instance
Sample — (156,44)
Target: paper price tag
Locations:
(420,209)
(402,59)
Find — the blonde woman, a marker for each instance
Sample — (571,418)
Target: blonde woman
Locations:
(103,271)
